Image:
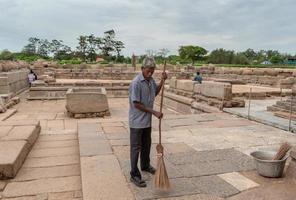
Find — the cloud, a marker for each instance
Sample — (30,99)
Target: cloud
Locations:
(153,24)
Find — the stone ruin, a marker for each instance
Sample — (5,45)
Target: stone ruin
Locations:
(187,96)
(87,102)
(260,76)
(283,107)
(13,80)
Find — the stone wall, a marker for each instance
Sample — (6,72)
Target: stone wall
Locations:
(14,81)
(107,73)
(262,76)
(7,65)
(187,96)
(57,90)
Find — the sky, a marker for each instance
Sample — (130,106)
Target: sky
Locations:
(153,24)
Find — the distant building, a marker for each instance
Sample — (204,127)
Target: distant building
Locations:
(291,60)
(99,59)
(266,62)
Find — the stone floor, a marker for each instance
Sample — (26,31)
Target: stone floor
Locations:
(258,112)
(207,156)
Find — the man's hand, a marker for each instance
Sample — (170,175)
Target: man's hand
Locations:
(157,114)
(164,76)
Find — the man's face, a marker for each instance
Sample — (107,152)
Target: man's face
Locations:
(147,72)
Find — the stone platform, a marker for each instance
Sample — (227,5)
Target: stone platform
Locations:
(16,140)
(206,155)
(258,92)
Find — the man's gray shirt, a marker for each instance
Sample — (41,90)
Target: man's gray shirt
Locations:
(142,91)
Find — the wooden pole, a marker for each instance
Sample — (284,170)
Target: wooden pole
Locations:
(290,115)
(249,107)
(281,94)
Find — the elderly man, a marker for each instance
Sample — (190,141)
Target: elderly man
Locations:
(142,92)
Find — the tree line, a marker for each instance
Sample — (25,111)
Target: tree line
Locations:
(90,47)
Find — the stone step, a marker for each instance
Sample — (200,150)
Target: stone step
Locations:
(285,106)
(16,141)
(285,115)
(101,174)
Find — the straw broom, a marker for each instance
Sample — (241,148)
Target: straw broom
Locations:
(161,180)
(282,151)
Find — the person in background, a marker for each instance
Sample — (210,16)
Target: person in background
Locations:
(32,77)
(198,77)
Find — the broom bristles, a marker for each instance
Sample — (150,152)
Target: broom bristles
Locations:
(284,148)
(161,180)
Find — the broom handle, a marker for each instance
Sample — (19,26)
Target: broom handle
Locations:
(161,103)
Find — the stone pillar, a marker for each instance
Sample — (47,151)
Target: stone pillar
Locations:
(134,62)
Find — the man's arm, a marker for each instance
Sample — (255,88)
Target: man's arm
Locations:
(141,107)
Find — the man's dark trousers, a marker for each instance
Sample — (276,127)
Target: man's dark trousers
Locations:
(140,142)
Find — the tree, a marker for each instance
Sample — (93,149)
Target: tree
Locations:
(93,44)
(109,45)
(60,51)
(82,48)
(6,55)
(276,59)
(118,46)
(163,52)
(192,53)
(32,47)
(241,59)
(250,54)
(43,48)
(221,56)
(36,46)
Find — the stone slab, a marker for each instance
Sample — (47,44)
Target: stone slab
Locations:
(116,129)
(7,114)
(94,146)
(4,130)
(118,136)
(52,161)
(186,85)
(13,154)
(91,128)
(12,122)
(194,197)
(26,174)
(280,191)
(179,187)
(48,152)
(28,133)
(216,90)
(55,124)
(103,172)
(55,144)
(86,100)
(177,148)
(34,187)
(214,185)
(121,142)
(210,162)
(47,138)
(238,181)
(111,124)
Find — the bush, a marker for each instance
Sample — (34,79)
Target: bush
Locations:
(73,62)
